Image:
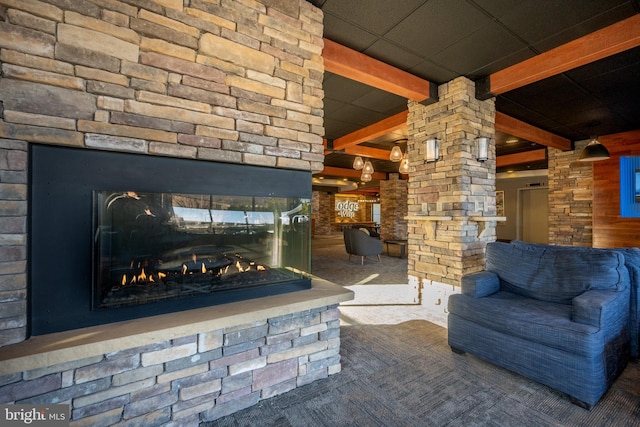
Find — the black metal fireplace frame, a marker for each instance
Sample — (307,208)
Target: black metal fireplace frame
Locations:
(62,181)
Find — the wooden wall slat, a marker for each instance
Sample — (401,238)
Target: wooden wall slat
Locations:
(609,229)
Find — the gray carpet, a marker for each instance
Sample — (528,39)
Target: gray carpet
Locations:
(406,375)
(330,261)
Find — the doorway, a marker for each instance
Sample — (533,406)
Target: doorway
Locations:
(533,212)
(375,213)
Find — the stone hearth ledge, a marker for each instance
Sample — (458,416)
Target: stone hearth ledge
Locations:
(47,350)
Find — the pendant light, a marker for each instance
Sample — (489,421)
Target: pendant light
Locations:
(358,163)
(594,151)
(368,167)
(366,177)
(396,154)
(404,165)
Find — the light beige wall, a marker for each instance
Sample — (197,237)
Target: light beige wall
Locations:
(508,230)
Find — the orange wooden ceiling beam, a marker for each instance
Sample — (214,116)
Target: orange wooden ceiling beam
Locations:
(526,131)
(367,133)
(346,62)
(519,158)
(349,173)
(616,38)
(370,152)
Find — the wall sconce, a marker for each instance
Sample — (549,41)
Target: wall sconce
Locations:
(594,151)
(358,163)
(404,165)
(482,148)
(368,167)
(432,149)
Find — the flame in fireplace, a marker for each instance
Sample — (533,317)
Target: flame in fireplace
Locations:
(143,277)
(192,270)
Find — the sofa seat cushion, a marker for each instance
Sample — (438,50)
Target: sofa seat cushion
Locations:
(554,275)
(548,324)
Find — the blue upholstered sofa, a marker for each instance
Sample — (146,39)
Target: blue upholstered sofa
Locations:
(566,317)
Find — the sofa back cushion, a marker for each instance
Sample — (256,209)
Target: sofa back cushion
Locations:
(549,274)
(631,256)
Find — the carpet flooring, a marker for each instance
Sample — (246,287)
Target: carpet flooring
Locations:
(330,261)
(406,375)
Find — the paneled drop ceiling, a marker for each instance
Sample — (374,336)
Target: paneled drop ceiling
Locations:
(440,40)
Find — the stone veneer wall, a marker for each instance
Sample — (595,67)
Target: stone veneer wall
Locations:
(231,81)
(570,198)
(323,208)
(13,240)
(393,208)
(456,186)
(184,381)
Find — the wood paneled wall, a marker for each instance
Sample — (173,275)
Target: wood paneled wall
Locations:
(609,229)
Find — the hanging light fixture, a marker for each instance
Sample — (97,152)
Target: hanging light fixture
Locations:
(358,163)
(482,148)
(396,151)
(396,154)
(368,167)
(432,149)
(594,151)
(366,177)
(404,164)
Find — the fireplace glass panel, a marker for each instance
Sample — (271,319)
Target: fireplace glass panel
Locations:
(151,247)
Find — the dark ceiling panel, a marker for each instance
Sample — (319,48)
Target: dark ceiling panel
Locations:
(534,20)
(342,32)
(352,105)
(343,89)
(437,25)
(507,105)
(433,72)
(620,10)
(502,63)
(374,16)
(382,102)
(615,68)
(390,53)
(467,56)
(359,116)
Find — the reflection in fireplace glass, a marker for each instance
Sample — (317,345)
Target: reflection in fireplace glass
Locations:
(156,246)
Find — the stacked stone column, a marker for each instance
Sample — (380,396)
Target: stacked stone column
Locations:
(570,198)
(393,208)
(453,189)
(323,208)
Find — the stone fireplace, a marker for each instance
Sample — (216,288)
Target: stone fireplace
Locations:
(158,235)
(203,84)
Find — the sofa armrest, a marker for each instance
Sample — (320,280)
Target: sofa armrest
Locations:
(601,308)
(480,284)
